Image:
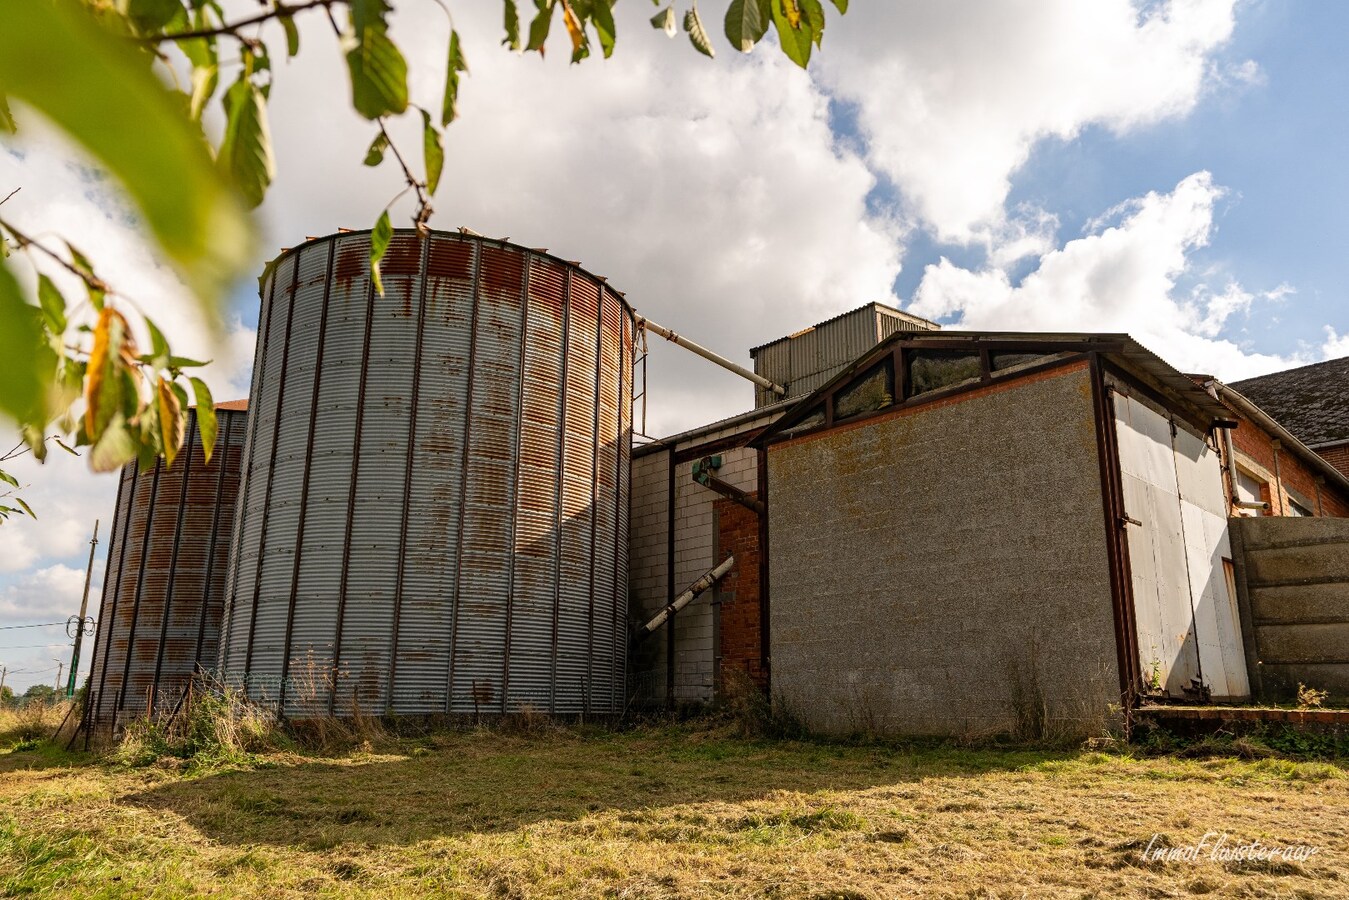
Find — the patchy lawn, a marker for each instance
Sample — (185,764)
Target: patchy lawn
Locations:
(665,812)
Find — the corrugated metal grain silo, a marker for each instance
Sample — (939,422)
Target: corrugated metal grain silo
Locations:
(164,585)
(435,502)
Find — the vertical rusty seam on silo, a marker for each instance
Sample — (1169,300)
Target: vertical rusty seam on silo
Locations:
(93,695)
(351,487)
(670,497)
(173,564)
(246,480)
(224,452)
(304,479)
(619,652)
(407,470)
(463,477)
(515,477)
(271,463)
(594,496)
(559,473)
(140,582)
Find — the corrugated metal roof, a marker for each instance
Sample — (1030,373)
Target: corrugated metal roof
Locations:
(237,405)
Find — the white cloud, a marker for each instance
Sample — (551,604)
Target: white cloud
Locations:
(1336,345)
(1120,279)
(952,97)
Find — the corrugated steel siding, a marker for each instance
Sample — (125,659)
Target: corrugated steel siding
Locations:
(459,504)
(804,362)
(165,582)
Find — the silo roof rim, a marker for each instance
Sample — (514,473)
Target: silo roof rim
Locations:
(602,280)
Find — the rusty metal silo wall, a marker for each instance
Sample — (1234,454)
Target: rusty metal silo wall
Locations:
(435,504)
(164,585)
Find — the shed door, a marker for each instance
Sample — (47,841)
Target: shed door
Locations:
(1187,621)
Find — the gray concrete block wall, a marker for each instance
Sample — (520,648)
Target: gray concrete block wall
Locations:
(944,571)
(695,534)
(1292,579)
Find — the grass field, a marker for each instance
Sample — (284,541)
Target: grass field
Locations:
(671,811)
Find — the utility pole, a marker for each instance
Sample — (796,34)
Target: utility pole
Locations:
(59,666)
(84,609)
(4,670)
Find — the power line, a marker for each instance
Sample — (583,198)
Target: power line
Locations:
(34,625)
(34,646)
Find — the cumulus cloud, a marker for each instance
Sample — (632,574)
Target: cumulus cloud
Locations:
(1122,278)
(952,97)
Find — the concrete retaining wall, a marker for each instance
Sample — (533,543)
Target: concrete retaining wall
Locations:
(1293,593)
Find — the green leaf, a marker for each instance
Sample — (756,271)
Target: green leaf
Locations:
(697,33)
(205,80)
(433,152)
(538,29)
(602,17)
(8,478)
(86,268)
(747,22)
(842,6)
(182,362)
(375,155)
(114,448)
(292,35)
(66,447)
(814,16)
(512,38)
(7,123)
(26,508)
(24,371)
(151,16)
(53,305)
(159,345)
(246,150)
(369,15)
(56,58)
(379,76)
(665,21)
(206,420)
(456,64)
(794,33)
(379,245)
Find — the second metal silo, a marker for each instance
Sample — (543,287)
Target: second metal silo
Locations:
(164,585)
(434,512)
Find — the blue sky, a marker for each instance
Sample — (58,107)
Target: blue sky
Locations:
(1278,144)
(1174,170)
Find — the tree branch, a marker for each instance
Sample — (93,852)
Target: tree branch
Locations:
(231,29)
(89,278)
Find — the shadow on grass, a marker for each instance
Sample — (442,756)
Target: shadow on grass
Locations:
(483,782)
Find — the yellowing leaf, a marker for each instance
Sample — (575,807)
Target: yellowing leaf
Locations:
(697,33)
(380,236)
(170,419)
(456,64)
(104,388)
(574,31)
(665,21)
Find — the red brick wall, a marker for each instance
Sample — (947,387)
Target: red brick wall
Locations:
(1337,456)
(1255,452)
(738,534)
